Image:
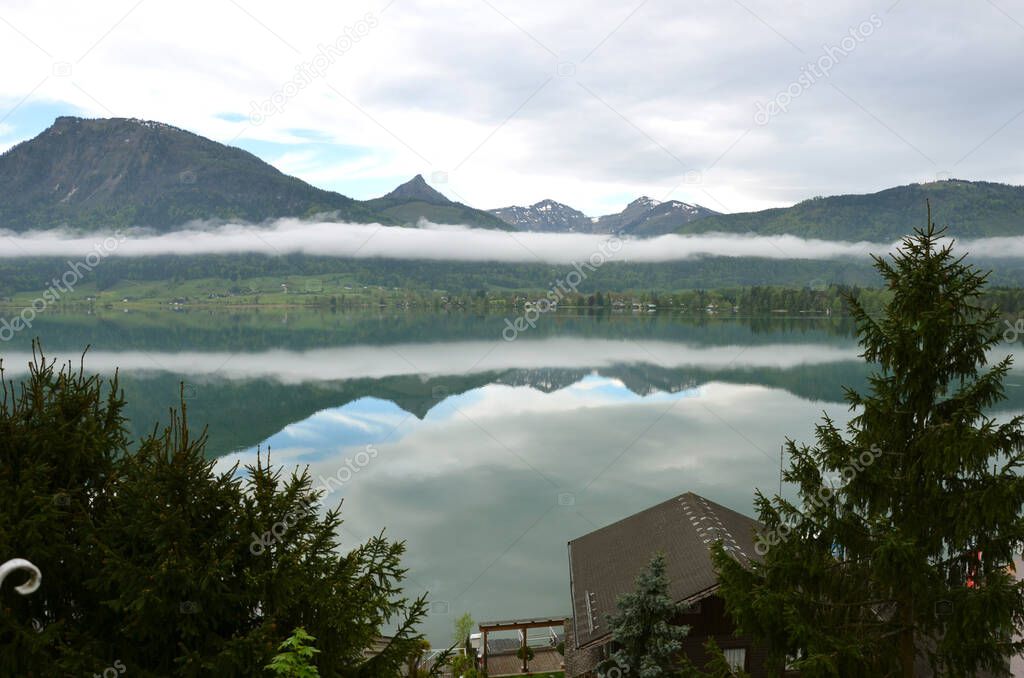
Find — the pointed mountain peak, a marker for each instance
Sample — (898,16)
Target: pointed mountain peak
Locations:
(644,201)
(417,189)
(548,204)
(544,216)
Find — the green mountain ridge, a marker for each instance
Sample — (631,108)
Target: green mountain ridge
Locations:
(87,174)
(969,209)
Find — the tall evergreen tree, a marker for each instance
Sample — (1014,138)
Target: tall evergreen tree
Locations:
(646,639)
(903,556)
(60,437)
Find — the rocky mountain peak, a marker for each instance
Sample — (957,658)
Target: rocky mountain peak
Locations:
(417,189)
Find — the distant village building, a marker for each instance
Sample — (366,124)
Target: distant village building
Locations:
(603,565)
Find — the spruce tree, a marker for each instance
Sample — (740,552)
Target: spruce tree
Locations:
(898,546)
(61,435)
(647,641)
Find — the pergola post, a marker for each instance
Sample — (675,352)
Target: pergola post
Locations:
(523,651)
(485,651)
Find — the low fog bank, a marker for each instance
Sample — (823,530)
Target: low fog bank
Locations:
(431,241)
(451,243)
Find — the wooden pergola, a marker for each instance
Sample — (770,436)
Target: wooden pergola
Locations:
(522,625)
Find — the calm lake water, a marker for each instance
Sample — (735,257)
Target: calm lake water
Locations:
(486,456)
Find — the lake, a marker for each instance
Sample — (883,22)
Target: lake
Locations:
(485,455)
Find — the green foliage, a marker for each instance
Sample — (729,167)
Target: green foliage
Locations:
(463,628)
(716,667)
(153,557)
(898,547)
(415,667)
(295,659)
(525,652)
(463,664)
(646,642)
(754,285)
(60,439)
(462,277)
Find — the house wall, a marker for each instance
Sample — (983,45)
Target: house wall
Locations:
(713,622)
(578,662)
(710,621)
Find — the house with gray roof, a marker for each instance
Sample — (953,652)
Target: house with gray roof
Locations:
(603,565)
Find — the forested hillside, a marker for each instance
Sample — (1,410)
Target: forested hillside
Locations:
(970,209)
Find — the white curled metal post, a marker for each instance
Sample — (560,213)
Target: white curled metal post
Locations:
(35,577)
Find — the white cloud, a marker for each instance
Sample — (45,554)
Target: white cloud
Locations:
(476,89)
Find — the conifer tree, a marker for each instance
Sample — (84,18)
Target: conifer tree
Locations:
(896,551)
(647,641)
(60,437)
(148,557)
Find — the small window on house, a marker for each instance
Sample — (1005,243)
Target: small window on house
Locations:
(736,657)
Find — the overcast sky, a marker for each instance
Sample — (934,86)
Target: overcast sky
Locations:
(589,103)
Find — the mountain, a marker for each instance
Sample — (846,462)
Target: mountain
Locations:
(546,215)
(417,190)
(116,172)
(414,200)
(970,209)
(665,217)
(634,212)
(87,174)
(644,217)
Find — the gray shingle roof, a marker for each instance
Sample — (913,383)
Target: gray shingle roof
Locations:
(604,564)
